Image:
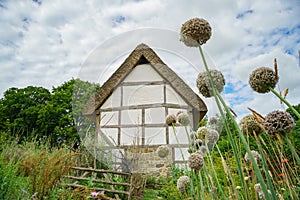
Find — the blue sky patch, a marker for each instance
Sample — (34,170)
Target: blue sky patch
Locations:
(39,2)
(242,14)
(120,19)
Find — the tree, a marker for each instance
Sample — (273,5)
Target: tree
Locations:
(35,112)
(20,109)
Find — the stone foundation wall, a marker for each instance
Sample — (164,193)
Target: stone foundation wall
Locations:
(146,160)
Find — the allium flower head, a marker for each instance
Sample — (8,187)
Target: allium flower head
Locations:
(211,138)
(248,125)
(193,135)
(262,78)
(163,151)
(197,143)
(202,132)
(255,154)
(196,161)
(182,183)
(203,82)
(278,122)
(195,30)
(203,149)
(183,119)
(171,120)
(213,120)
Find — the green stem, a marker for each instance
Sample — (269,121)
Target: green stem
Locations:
(286,102)
(292,149)
(240,134)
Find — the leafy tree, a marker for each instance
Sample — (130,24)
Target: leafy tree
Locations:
(20,109)
(35,112)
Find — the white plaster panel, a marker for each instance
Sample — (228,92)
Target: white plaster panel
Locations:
(181,134)
(144,72)
(131,116)
(109,118)
(155,136)
(181,154)
(144,94)
(130,136)
(109,133)
(114,100)
(155,115)
(173,96)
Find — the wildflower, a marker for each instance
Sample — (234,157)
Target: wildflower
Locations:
(278,122)
(262,78)
(94,194)
(285,160)
(238,187)
(255,154)
(246,178)
(196,161)
(171,120)
(182,183)
(183,119)
(163,151)
(248,125)
(203,83)
(194,31)
(280,181)
(202,132)
(281,174)
(211,138)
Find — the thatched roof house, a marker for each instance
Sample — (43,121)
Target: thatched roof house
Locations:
(138,96)
(140,78)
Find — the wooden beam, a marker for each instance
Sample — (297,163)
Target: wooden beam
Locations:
(142,83)
(96,180)
(102,171)
(141,106)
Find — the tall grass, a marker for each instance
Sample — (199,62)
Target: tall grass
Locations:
(32,170)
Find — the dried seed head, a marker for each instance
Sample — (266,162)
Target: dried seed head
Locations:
(211,138)
(171,120)
(195,30)
(203,82)
(183,119)
(197,143)
(203,149)
(286,91)
(202,132)
(255,154)
(182,183)
(248,125)
(196,161)
(163,151)
(278,122)
(213,120)
(262,78)
(193,135)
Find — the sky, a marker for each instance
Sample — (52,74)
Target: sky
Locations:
(48,42)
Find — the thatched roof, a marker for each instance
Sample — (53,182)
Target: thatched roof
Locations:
(144,54)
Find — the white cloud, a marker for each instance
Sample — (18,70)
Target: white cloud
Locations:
(46,44)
